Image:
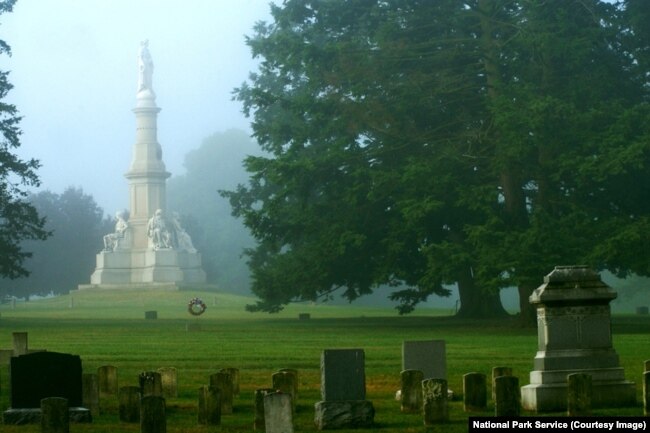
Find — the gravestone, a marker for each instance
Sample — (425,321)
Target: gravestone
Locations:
(19,347)
(578,394)
(169,382)
(150,384)
(129,404)
(304,316)
(498,372)
(574,336)
(286,383)
(90,391)
(508,396)
(646,365)
(150,315)
(209,406)
(55,417)
(278,411)
(434,399)
(234,374)
(643,311)
(343,390)
(295,382)
(646,393)
(107,377)
(152,414)
(474,392)
(40,375)
(223,382)
(411,391)
(428,356)
(258,416)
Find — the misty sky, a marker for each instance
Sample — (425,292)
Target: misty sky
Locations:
(74,71)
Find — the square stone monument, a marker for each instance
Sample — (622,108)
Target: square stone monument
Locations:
(428,356)
(343,390)
(40,375)
(574,336)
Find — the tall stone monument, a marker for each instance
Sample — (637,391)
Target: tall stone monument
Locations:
(148,248)
(574,336)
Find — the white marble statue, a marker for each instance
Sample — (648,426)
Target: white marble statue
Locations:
(145,68)
(113,241)
(159,234)
(183,239)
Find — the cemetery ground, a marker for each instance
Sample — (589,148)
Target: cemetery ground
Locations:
(109,328)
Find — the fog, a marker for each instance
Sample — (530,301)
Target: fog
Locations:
(74,71)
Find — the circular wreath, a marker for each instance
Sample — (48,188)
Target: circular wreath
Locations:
(196,307)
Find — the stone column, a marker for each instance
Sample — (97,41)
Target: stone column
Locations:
(20,343)
(107,377)
(474,392)
(150,383)
(579,394)
(209,406)
(152,415)
(278,413)
(258,420)
(223,381)
(90,390)
(411,390)
(55,417)
(129,403)
(285,382)
(508,396)
(434,396)
(169,382)
(497,372)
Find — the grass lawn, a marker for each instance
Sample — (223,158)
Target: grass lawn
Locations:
(109,328)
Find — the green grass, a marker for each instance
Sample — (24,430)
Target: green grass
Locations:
(108,327)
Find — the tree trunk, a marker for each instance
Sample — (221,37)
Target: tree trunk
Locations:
(476,304)
(527,313)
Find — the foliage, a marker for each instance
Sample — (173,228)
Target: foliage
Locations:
(18,219)
(418,144)
(67,258)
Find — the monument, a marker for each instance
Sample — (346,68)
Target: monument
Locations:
(148,248)
(574,336)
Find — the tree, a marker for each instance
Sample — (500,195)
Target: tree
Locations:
(67,258)
(18,219)
(421,143)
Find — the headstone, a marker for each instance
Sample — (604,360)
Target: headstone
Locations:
(150,384)
(498,372)
(304,316)
(55,417)
(152,415)
(90,393)
(474,392)
(169,382)
(343,390)
(20,343)
(286,382)
(129,404)
(107,376)
(150,315)
(579,394)
(258,420)
(434,398)
(646,393)
(643,311)
(574,336)
(234,374)
(428,356)
(508,397)
(411,391)
(646,365)
(223,382)
(278,411)
(296,382)
(209,406)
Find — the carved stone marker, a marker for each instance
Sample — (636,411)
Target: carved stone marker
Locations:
(643,311)
(434,396)
(209,406)
(55,417)
(343,390)
(90,393)
(304,316)
(579,394)
(129,404)
(411,391)
(20,343)
(286,383)
(152,415)
(646,393)
(234,374)
(474,392)
(508,397)
(646,365)
(223,382)
(278,411)
(498,372)
(150,383)
(107,376)
(151,315)
(169,382)
(574,336)
(428,356)
(258,420)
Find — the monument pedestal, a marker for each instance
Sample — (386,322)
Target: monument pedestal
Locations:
(574,336)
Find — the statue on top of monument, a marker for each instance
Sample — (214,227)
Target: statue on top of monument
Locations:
(145,68)
(113,241)
(159,234)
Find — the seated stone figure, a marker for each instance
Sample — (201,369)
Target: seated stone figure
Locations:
(159,234)
(121,238)
(183,241)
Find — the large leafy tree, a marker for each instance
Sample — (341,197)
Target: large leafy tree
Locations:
(18,218)
(420,143)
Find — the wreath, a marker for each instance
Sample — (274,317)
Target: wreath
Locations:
(196,307)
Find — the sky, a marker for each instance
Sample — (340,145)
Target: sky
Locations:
(74,70)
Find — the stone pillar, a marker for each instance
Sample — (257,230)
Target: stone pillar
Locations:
(209,406)
(646,393)
(278,413)
(107,377)
(411,391)
(434,396)
(90,390)
(258,420)
(223,381)
(150,383)
(129,403)
(497,372)
(234,374)
(152,415)
(474,392)
(169,382)
(508,396)
(285,382)
(20,343)
(55,417)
